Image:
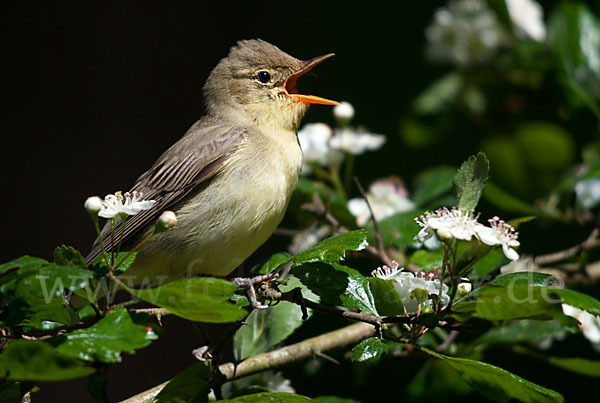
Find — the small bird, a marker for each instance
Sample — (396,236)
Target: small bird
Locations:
(229,179)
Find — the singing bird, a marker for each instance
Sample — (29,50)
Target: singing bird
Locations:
(229,179)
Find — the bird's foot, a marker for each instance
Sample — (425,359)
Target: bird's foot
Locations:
(262,281)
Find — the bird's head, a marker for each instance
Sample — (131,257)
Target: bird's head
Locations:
(257,82)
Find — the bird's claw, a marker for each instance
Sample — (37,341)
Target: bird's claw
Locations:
(250,282)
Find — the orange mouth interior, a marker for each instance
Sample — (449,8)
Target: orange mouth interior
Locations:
(289,85)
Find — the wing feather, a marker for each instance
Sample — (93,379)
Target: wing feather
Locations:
(188,163)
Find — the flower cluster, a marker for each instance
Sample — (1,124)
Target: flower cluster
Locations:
(466,32)
(118,204)
(326,146)
(416,291)
(386,197)
(461,224)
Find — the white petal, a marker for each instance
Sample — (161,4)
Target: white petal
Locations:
(510,252)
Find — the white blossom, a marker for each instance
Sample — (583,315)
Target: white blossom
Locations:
(307,238)
(466,32)
(587,192)
(588,323)
(356,141)
(500,233)
(406,283)
(343,113)
(93,204)
(386,197)
(314,141)
(455,223)
(126,204)
(528,17)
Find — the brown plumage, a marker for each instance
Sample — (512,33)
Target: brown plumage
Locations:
(230,177)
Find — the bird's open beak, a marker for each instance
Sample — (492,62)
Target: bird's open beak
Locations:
(289,84)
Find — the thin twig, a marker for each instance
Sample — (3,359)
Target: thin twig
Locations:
(451,336)
(590,243)
(378,239)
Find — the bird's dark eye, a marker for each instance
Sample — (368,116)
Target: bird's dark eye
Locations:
(264,77)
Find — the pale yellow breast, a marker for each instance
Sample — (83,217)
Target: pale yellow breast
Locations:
(226,221)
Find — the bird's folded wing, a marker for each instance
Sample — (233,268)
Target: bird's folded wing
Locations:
(188,163)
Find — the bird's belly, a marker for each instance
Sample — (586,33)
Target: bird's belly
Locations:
(219,227)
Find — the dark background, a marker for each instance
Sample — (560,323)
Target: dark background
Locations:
(95,91)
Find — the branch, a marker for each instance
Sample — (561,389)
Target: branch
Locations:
(276,359)
(378,239)
(590,243)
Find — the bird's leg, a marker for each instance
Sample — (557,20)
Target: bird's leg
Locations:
(250,283)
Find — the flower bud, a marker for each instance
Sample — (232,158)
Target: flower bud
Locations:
(444,233)
(343,113)
(93,205)
(166,221)
(464,288)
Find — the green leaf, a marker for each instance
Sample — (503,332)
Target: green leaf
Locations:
(574,34)
(497,384)
(333,249)
(190,385)
(69,256)
(524,278)
(264,329)
(432,184)
(439,95)
(398,230)
(272,263)
(270,397)
(387,299)
(199,299)
(522,331)
(520,302)
(577,365)
(427,260)
(24,263)
(490,262)
(36,294)
(102,266)
(29,360)
(369,351)
(104,342)
(337,285)
(470,180)
(577,299)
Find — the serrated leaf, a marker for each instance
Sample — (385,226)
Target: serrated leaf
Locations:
(333,249)
(190,385)
(369,351)
(270,397)
(198,299)
(264,329)
(30,360)
(470,180)
(102,265)
(104,342)
(496,383)
(387,299)
(69,256)
(36,294)
(432,184)
(337,285)
(273,262)
(576,299)
(24,262)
